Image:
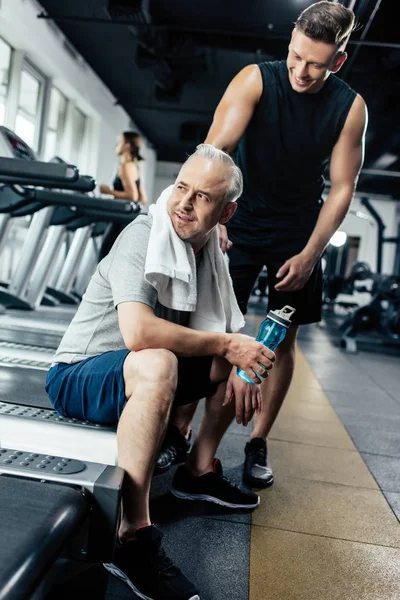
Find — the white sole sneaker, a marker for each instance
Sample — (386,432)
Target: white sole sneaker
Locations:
(121,575)
(206,498)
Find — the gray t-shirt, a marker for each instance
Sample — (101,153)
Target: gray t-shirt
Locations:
(119,277)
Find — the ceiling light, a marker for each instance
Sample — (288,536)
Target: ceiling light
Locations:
(338,239)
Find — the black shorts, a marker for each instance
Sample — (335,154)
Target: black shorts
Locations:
(280,240)
(94,389)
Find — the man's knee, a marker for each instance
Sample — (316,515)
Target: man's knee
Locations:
(155,368)
(220,370)
(288,344)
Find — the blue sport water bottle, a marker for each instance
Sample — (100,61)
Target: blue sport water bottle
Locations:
(272,331)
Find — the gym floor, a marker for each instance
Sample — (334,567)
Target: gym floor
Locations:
(329,527)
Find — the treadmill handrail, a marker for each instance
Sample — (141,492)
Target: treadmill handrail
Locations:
(52,198)
(84,183)
(106,216)
(38,171)
(14,197)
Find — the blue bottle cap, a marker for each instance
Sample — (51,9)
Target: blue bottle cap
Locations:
(283,315)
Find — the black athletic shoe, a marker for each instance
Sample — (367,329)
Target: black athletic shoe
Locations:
(174,451)
(212,487)
(257,471)
(144,566)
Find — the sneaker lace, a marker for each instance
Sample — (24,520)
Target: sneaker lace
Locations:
(170,451)
(260,456)
(224,482)
(161,561)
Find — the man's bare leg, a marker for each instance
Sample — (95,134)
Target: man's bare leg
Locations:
(257,471)
(274,388)
(150,382)
(201,476)
(214,423)
(140,561)
(183,417)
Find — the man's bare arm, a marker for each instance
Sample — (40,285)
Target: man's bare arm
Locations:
(231,118)
(235,109)
(141,330)
(346,161)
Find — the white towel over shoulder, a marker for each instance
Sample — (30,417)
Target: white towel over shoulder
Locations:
(170,267)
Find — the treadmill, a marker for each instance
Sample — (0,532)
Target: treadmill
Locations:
(57,508)
(15,154)
(65,210)
(54,511)
(27,420)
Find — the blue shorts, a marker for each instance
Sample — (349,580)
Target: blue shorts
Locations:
(94,389)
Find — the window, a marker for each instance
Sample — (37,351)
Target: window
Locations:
(55,124)
(29,106)
(5,61)
(79,129)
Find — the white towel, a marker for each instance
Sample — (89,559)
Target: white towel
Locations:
(170,267)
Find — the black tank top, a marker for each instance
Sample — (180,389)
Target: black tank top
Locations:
(118,185)
(287,146)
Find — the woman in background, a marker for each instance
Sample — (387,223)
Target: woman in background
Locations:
(126,185)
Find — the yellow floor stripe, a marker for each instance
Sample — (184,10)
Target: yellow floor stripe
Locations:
(324,531)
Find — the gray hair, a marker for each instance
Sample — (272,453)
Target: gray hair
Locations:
(213,154)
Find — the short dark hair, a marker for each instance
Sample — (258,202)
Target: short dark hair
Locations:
(328,22)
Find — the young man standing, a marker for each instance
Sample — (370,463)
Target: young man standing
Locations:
(288,119)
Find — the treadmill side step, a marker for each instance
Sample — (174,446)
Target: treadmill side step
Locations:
(19,410)
(32,461)
(47,432)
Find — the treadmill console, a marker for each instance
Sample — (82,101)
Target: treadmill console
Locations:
(12,146)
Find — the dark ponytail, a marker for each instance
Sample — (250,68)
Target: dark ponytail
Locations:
(130,137)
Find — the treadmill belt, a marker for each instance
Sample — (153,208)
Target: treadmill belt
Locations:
(21,385)
(34,324)
(22,335)
(53,314)
(25,355)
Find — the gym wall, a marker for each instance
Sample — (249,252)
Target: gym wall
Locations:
(39,44)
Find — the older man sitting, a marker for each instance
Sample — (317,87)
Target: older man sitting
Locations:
(156,327)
